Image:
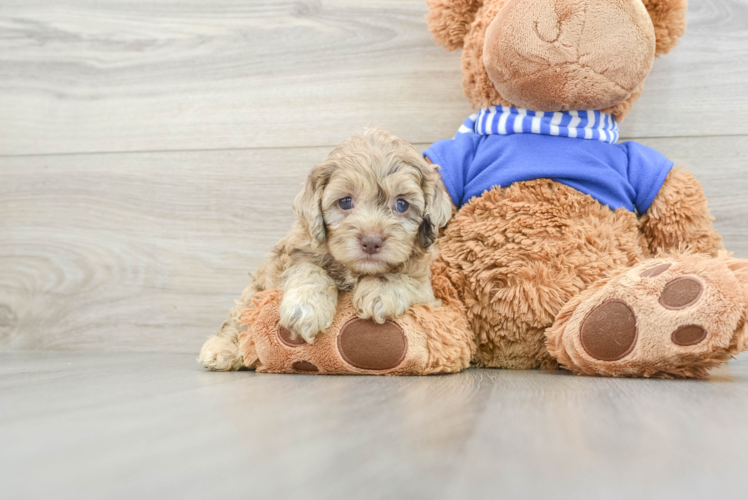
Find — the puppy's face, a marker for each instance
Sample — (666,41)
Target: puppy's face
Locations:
(373,214)
(374,203)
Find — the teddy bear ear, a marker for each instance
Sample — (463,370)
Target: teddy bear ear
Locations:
(449,20)
(669,19)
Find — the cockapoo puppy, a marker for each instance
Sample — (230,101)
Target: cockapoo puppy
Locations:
(366,220)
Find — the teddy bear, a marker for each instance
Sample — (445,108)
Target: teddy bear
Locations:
(567,247)
(570,248)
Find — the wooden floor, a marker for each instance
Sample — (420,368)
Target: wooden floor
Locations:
(124,425)
(149,153)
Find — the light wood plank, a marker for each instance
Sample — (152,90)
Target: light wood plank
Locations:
(80,76)
(691,90)
(578,437)
(129,426)
(146,252)
(137,251)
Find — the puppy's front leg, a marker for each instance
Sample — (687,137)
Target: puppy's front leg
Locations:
(388,296)
(309,300)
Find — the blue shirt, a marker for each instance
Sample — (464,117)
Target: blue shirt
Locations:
(627,175)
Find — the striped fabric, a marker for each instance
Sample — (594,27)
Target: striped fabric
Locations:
(504,120)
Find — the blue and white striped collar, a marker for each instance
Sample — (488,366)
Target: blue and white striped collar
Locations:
(505,120)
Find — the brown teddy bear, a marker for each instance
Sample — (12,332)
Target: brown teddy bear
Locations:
(568,248)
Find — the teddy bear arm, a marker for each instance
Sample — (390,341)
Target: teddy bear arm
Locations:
(449,20)
(679,218)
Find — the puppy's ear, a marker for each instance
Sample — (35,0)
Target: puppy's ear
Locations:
(439,206)
(308,203)
(438,202)
(426,235)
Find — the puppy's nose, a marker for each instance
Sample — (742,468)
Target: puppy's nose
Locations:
(371,244)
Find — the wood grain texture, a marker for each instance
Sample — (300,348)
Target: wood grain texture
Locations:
(80,426)
(137,251)
(83,76)
(147,251)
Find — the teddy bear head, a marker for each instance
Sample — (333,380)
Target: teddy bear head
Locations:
(557,55)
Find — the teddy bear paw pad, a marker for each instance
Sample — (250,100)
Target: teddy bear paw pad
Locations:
(285,337)
(609,332)
(371,346)
(688,335)
(656,270)
(304,367)
(681,293)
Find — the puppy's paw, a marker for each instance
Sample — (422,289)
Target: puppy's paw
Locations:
(220,354)
(380,303)
(306,315)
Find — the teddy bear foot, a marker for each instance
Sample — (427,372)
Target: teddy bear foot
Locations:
(670,318)
(425,340)
(358,345)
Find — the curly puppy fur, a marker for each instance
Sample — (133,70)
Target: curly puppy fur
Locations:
(351,196)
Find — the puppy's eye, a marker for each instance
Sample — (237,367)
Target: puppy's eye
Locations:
(345,203)
(401,206)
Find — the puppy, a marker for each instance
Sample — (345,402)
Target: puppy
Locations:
(366,220)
